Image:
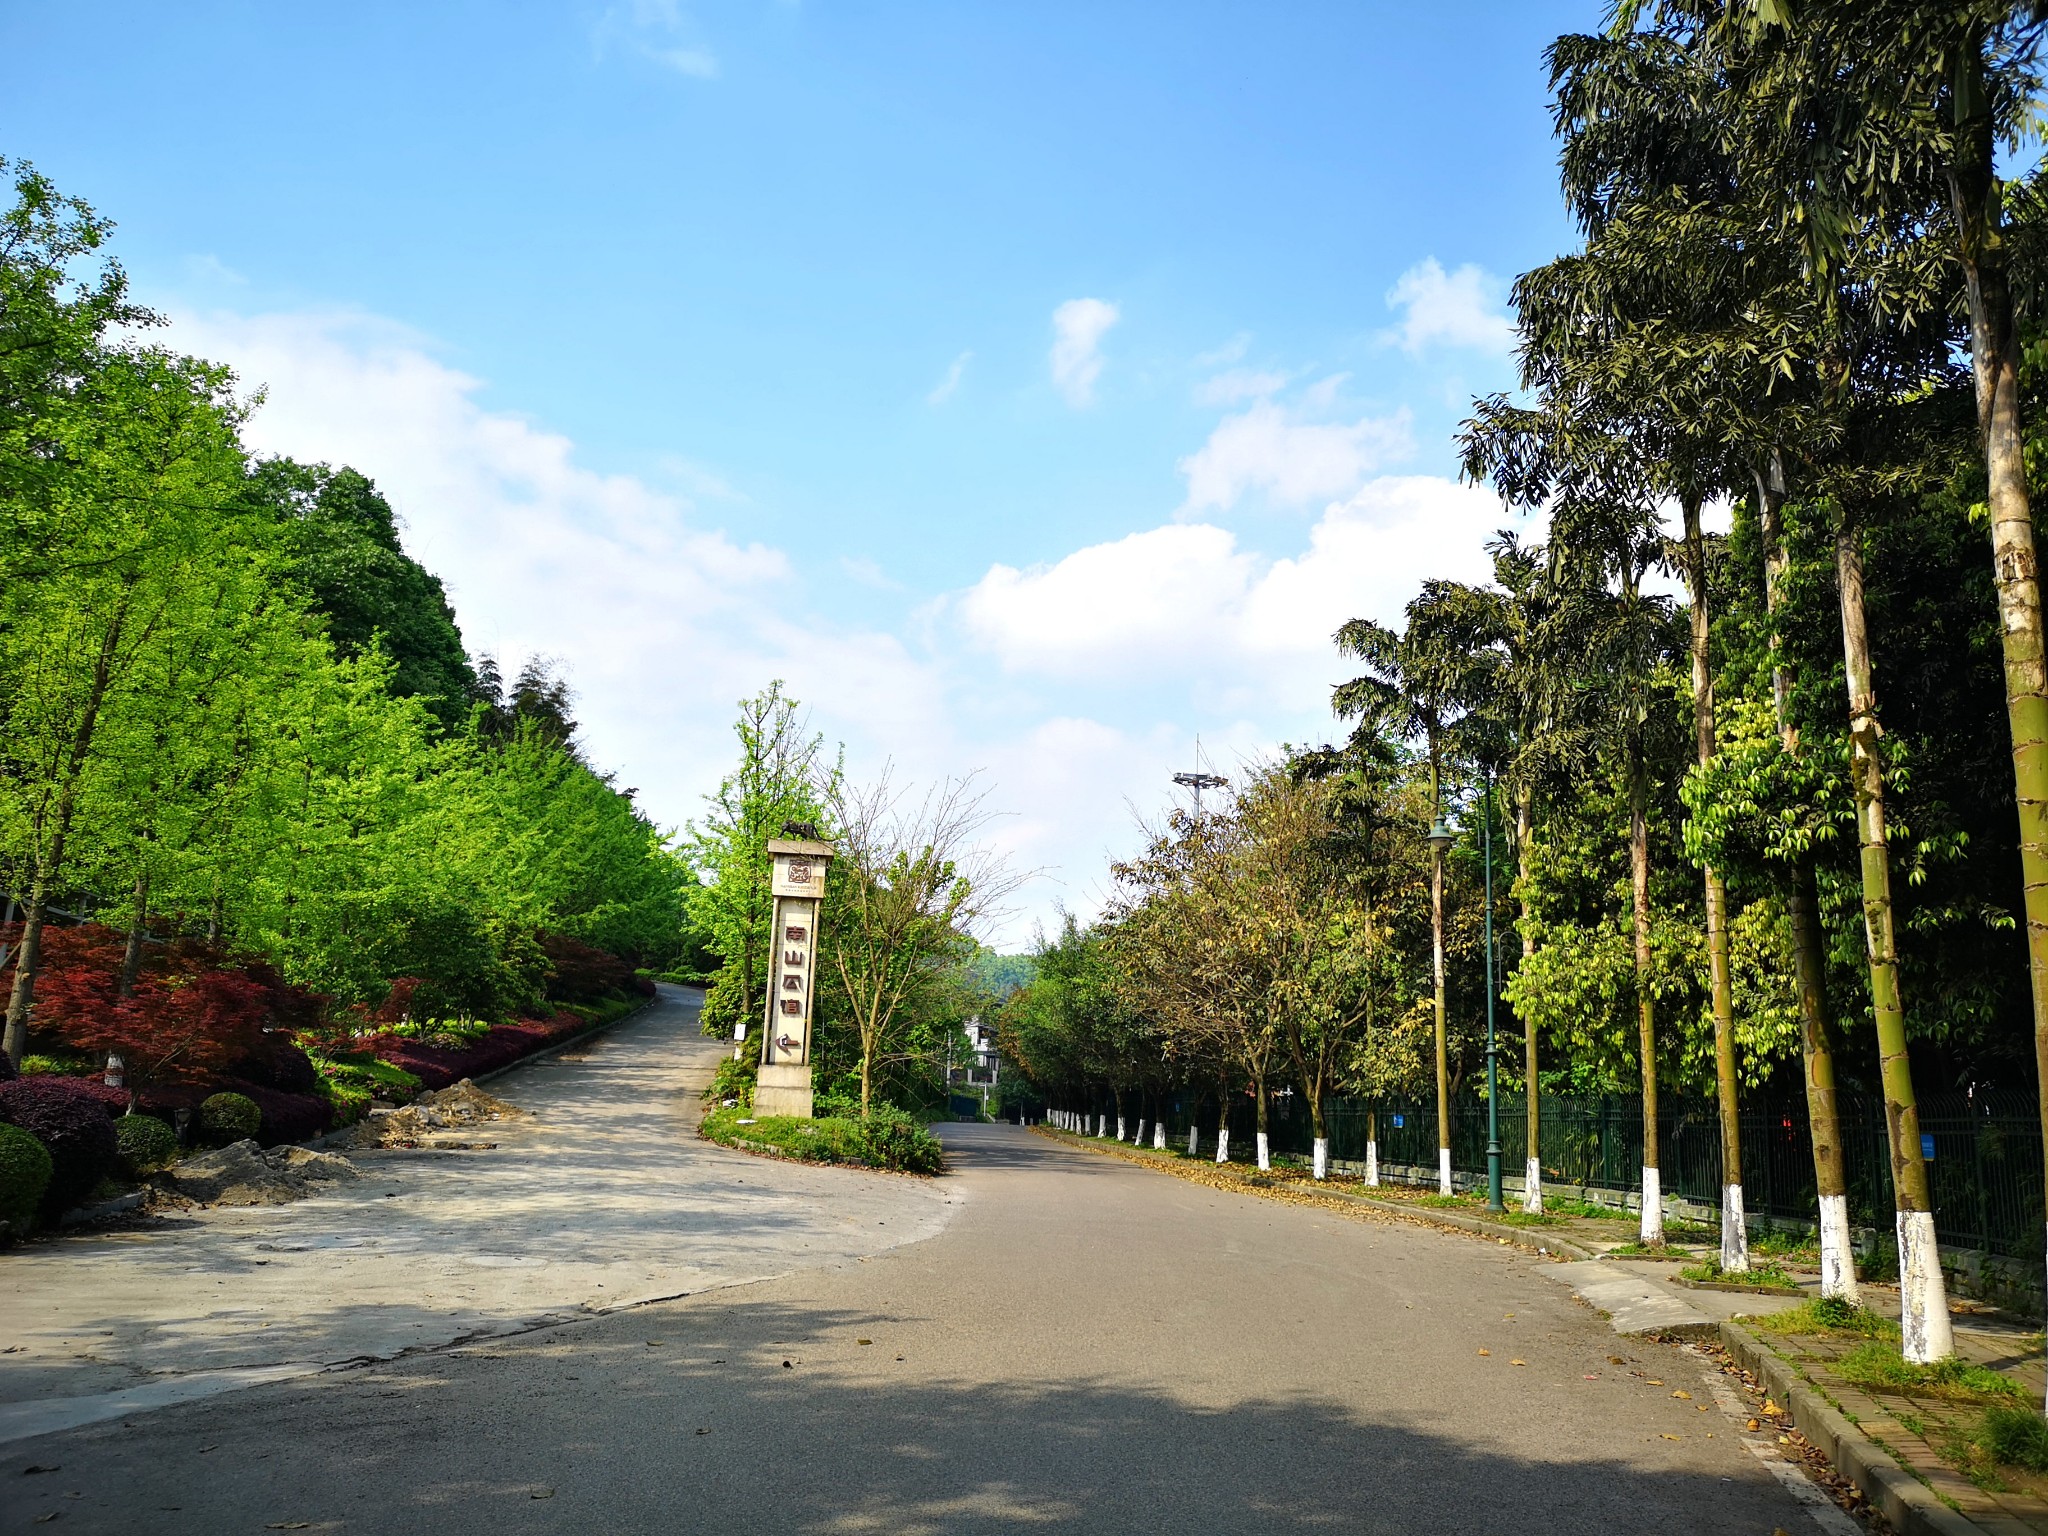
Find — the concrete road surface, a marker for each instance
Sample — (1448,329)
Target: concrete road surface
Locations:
(1087,1346)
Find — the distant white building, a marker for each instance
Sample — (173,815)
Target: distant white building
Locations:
(983,1069)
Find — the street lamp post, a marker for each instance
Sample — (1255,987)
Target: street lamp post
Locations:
(1440,838)
(1493,1200)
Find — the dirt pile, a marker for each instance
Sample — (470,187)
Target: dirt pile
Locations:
(439,1119)
(246,1174)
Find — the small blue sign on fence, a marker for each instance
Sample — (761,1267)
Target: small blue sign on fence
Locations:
(1927,1145)
(1399,1121)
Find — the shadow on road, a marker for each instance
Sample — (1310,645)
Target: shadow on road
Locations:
(689,1421)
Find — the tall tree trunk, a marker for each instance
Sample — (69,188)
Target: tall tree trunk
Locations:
(1809,959)
(1646,1008)
(1734,1227)
(116,1074)
(1223,1117)
(1995,354)
(1525,828)
(1923,1296)
(1321,1163)
(1259,1097)
(1443,1048)
(49,864)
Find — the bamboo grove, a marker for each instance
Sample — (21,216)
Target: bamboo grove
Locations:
(1754,708)
(233,712)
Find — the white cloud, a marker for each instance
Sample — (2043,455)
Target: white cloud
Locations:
(1185,601)
(951,382)
(1459,309)
(1235,384)
(656,31)
(698,63)
(662,621)
(1078,328)
(1270,449)
(1077,685)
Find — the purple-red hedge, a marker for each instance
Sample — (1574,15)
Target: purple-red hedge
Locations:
(69,1117)
(438,1066)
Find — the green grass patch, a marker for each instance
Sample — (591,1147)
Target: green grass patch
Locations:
(1585,1210)
(1767,1275)
(1829,1316)
(2014,1436)
(1877,1365)
(887,1139)
(1524,1219)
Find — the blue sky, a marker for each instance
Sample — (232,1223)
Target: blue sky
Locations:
(1030,386)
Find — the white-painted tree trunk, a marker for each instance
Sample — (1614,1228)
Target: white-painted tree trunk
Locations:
(1194,1141)
(1119,1127)
(1322,1157)
(117,1072)
(1653,1207)
(1925,1334)
(1139,1139)
(1158,1135)
(1265,1162)
(1443,1170)
(1102,1125)
(1223,1144)
(1372,1163)
(1532,1187)
(1837,1258)
(1734,1231)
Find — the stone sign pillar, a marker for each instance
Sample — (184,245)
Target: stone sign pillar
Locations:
(784,1087)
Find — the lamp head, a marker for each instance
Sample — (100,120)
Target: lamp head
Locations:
(1440,837)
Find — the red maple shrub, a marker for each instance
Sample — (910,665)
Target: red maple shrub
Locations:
(195,1013)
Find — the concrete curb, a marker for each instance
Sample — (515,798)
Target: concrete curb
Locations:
(1902,1498)
(1521,1237)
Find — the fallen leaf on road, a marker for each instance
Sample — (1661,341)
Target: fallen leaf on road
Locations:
(1753,1424)
(1486,1351)
(46,1519)
(1681,1392)
(863,1341)
(787,1366)
(1616,1360)
(542,1493)
(1668,1437)
(205,1448)
(1590,1376)
(31,1471)
(1518,1362)
(1655,1382)
(1771,1407)
(703,1431)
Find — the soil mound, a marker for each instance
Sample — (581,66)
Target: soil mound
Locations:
(246,1174)
(431,1118)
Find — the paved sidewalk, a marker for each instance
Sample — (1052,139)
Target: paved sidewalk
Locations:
(601,1197)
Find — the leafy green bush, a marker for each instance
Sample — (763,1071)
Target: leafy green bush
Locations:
(144,1144)
(228,1117)
(894,1140)
(890,1139)
(350,1086)
(2015,1436)
(24,1175)
(69,1064)
(735,1080)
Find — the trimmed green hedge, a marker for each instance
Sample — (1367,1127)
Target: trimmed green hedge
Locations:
(229,1117)
(24,1175)
(886,1139)
(144,1144)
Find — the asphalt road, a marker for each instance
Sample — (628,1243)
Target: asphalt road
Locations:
(1087,1346)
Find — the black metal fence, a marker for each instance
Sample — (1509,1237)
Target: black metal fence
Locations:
(1985,1168)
